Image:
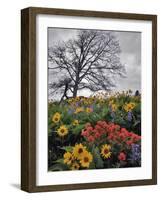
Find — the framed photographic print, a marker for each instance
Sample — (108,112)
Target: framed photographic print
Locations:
(89,99)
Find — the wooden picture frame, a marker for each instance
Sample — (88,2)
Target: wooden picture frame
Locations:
(28,98)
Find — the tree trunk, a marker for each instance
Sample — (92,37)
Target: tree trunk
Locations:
(75,91)
(65,93)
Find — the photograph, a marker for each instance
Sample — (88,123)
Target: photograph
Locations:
(94,99)
(82,84)
(89,99)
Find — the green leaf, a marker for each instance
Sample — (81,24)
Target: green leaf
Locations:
(92,165)
(77,130)
(58,167)
(104,112)
(117,165)
(97,158)
(136,123)
(67,148)
(61,160)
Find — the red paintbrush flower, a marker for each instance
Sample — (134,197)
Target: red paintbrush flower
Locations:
(122,156)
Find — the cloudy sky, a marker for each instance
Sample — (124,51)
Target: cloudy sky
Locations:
(130,44)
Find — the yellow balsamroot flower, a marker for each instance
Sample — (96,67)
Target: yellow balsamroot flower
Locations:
(68,158)
(87,102)
(56,117)
(101,100)
(86,159)
(129,106)
(75,166)
(62,131)
(111,102)
(105,151)
(78,110)
(92,98)
(137,98)
(114,107)
(133,105)
(75,122)
(70,100)
(88,110)
(77,99)
(78,151)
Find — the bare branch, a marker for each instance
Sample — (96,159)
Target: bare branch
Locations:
(92,56)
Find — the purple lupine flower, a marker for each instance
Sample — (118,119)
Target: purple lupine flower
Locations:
(70,111)
(113,116)
(129,116)
(136,153)
(92,106)
(77,104)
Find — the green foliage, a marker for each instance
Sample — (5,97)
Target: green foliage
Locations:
(66,148)
(58,167)
(77,130)
(90,110)
(97,158)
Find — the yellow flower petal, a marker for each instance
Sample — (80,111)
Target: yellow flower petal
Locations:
(75,166)
(68,157)
(56,117)
(86,159)
(78,150)
(75,122)
(62,131)
(105,151)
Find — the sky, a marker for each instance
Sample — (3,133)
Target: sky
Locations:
(130,44)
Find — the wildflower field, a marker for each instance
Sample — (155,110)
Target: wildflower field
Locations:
(96,132)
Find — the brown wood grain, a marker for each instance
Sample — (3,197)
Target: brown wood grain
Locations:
(28,98)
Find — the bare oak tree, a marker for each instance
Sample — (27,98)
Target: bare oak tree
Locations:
(90,61)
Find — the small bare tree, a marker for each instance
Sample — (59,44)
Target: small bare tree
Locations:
(63,87)
(90,61)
